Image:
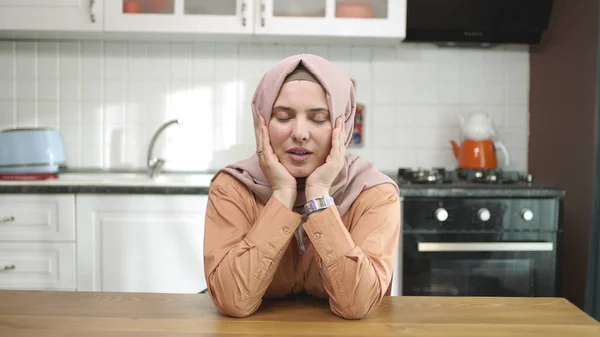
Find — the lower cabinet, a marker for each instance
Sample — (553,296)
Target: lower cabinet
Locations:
(140,243)
(37,241)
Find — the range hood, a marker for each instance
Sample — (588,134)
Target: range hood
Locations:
(483,22)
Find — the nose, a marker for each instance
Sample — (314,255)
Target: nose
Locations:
(300,132)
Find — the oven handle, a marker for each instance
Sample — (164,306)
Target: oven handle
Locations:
(485,246)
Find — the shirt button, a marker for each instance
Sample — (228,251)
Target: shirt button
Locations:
(286,230)
(317,235)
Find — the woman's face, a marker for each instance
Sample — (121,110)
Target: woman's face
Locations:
(300,127)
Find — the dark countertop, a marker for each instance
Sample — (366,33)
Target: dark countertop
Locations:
(115,182)
(103,189)
(197,183)
(477,190)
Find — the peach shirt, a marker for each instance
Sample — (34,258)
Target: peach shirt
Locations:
(252,250)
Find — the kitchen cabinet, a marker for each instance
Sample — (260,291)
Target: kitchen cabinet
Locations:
(340,18)
(260,18)
(180,16)
(37,241)
(247,20)
(102,242)
(51,15)
(140,243)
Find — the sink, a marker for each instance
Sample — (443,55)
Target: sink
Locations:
(183,179)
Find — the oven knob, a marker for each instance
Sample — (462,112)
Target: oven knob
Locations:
(484,214)
(527,214)
(441,214)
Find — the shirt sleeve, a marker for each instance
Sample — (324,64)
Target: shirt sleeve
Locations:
(357,262)
(241,256)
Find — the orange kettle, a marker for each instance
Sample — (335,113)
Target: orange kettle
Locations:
(478,154)
(477,149)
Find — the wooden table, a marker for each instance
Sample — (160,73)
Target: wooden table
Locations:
(85,314)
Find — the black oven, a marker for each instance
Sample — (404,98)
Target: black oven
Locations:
(481,246)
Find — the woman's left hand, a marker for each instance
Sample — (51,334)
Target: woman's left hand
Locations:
(319,182)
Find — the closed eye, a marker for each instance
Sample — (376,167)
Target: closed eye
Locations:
(282,113)
(319,115)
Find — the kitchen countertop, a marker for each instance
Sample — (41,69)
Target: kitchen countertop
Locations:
(56,314)
(476,190)
(130,182)
(139,182)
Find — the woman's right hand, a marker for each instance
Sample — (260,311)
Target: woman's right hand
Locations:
(282,182)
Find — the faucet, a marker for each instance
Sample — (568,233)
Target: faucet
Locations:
(155,164)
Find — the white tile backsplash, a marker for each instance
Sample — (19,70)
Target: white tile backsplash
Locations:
(108,97)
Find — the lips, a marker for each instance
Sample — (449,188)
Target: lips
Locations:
(299,153)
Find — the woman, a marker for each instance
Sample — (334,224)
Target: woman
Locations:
(300,214)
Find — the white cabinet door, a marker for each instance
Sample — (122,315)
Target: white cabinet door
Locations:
(179,16)
(335,18)
(140,243)
(51,15)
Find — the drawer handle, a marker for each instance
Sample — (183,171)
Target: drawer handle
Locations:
(8,219)
(11,267)
(92,15)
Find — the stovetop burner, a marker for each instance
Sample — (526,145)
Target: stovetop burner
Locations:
(443,176)
(422,176)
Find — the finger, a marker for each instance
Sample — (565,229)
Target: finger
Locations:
(341,128)
(266,142)
(264,136)
(341,145)
(259,136)
(335,143)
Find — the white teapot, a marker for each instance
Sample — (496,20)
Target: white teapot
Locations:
(477,126)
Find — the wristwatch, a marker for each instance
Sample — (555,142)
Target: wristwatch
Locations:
(318,204)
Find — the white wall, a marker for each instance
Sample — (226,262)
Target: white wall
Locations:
(107,98)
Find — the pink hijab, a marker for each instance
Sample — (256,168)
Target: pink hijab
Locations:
(357,173)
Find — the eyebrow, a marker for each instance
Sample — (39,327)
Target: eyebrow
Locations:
(287,108)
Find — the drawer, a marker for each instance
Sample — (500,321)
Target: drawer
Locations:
(37,266)
(37,217)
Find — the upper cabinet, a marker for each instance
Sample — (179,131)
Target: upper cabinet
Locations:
(217,19)
(51,15)
(307,18)
(347,18)
(180,16)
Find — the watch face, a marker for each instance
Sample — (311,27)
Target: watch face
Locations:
(321,202)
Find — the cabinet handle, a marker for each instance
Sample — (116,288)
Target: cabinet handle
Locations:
(244,13)
(11,267)
(9,218)
(92,15)
(262,13)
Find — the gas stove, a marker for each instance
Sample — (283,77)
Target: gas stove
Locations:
(441,176)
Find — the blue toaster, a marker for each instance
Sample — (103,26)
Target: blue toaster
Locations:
(31,151)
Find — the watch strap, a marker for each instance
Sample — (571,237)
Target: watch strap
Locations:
(318,204)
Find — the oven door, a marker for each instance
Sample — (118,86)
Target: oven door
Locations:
(504,264)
